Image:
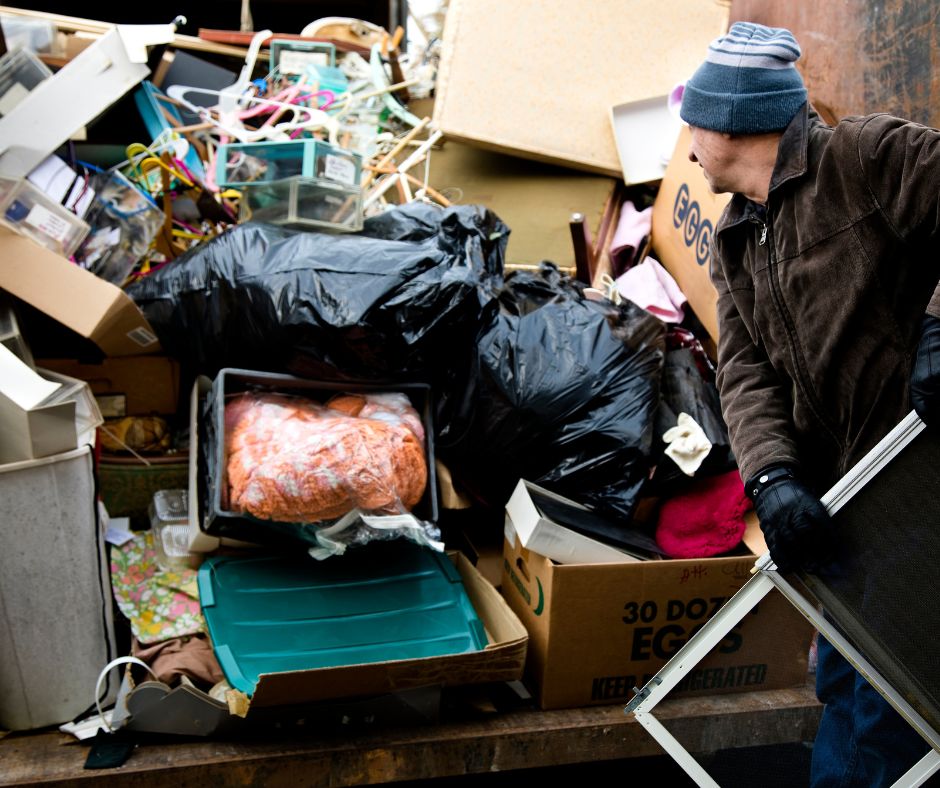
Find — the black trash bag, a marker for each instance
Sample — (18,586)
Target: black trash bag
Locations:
(562,392)
(688,386)
(391,302)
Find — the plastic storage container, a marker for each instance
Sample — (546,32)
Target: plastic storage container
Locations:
(275,613)
(57,630)
(300,201)
(212,481)
(291,58)
(35,35)
(87,413)
(20,72)
(123,223)
(30,212)
(169,521)
(251,163)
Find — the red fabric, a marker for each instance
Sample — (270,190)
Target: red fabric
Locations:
(706,519)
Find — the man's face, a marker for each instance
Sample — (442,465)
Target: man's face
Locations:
(714,152)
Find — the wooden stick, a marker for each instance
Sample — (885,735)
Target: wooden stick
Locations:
(402,144)
(78,24)
(406,165)
(430,191)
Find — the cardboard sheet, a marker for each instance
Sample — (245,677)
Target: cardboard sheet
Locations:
(539,80)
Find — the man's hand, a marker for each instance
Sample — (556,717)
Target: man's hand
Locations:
(925,377)
(796,526)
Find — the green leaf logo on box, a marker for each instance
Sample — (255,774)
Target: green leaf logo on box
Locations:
(523,591)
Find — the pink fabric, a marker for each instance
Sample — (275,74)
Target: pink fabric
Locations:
(633,228)
(706,520)
(651,286)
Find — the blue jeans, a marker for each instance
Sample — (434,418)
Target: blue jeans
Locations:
(862,741)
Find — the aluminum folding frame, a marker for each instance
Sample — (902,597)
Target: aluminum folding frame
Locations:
(765,578)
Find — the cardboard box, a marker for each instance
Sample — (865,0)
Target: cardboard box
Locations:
(502,659)
(645,132)
(596,631)
(92,307)
(537,532)
(537,80)
(144,385)
(35,419)
(685,215)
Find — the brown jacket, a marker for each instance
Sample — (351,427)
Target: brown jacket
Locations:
(820,301)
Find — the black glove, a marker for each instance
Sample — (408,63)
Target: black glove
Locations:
(797,528)
(925,377)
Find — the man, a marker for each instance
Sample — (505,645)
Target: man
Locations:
(825,261)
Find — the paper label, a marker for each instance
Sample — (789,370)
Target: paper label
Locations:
(142,336)
(12,97)
(391,521)
(338,168)
(294,62)
(49,223)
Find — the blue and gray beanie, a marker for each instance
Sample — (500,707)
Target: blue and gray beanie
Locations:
(748,83)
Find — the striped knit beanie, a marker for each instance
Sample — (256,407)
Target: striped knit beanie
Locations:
(748,83)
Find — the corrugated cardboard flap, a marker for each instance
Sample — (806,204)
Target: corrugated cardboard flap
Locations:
(685,215)
(89,305)
(503,659)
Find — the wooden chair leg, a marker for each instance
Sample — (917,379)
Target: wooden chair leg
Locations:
(583,248)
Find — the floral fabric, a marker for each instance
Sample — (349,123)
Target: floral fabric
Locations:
(159,604)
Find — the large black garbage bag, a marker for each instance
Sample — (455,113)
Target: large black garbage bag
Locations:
(394,301)
(562,392)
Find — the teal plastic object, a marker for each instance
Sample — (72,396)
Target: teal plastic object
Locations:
(388,600)
(150,109)
(241,164)
(290,57)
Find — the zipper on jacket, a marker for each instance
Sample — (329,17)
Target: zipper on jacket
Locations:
(799,363)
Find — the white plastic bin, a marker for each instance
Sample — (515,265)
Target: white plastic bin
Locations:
(56,624)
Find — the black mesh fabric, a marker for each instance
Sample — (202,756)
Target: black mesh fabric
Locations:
(882,592)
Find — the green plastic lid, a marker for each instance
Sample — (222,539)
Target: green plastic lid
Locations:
(388,600)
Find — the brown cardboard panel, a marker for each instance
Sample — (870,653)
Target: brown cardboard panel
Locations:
(685,215)
(87,304)
(149,384)
(538,80)
(598,630)
(534,199)
(502,659)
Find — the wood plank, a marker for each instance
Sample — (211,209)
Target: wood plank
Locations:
(498,741)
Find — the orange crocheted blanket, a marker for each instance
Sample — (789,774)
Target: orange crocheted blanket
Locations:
(295,460)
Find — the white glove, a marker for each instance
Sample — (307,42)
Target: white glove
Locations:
(688,445)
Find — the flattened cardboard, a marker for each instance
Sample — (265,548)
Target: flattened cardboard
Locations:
(148,384)
(685,215)
(538,80)
(596,631)
(87,304)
